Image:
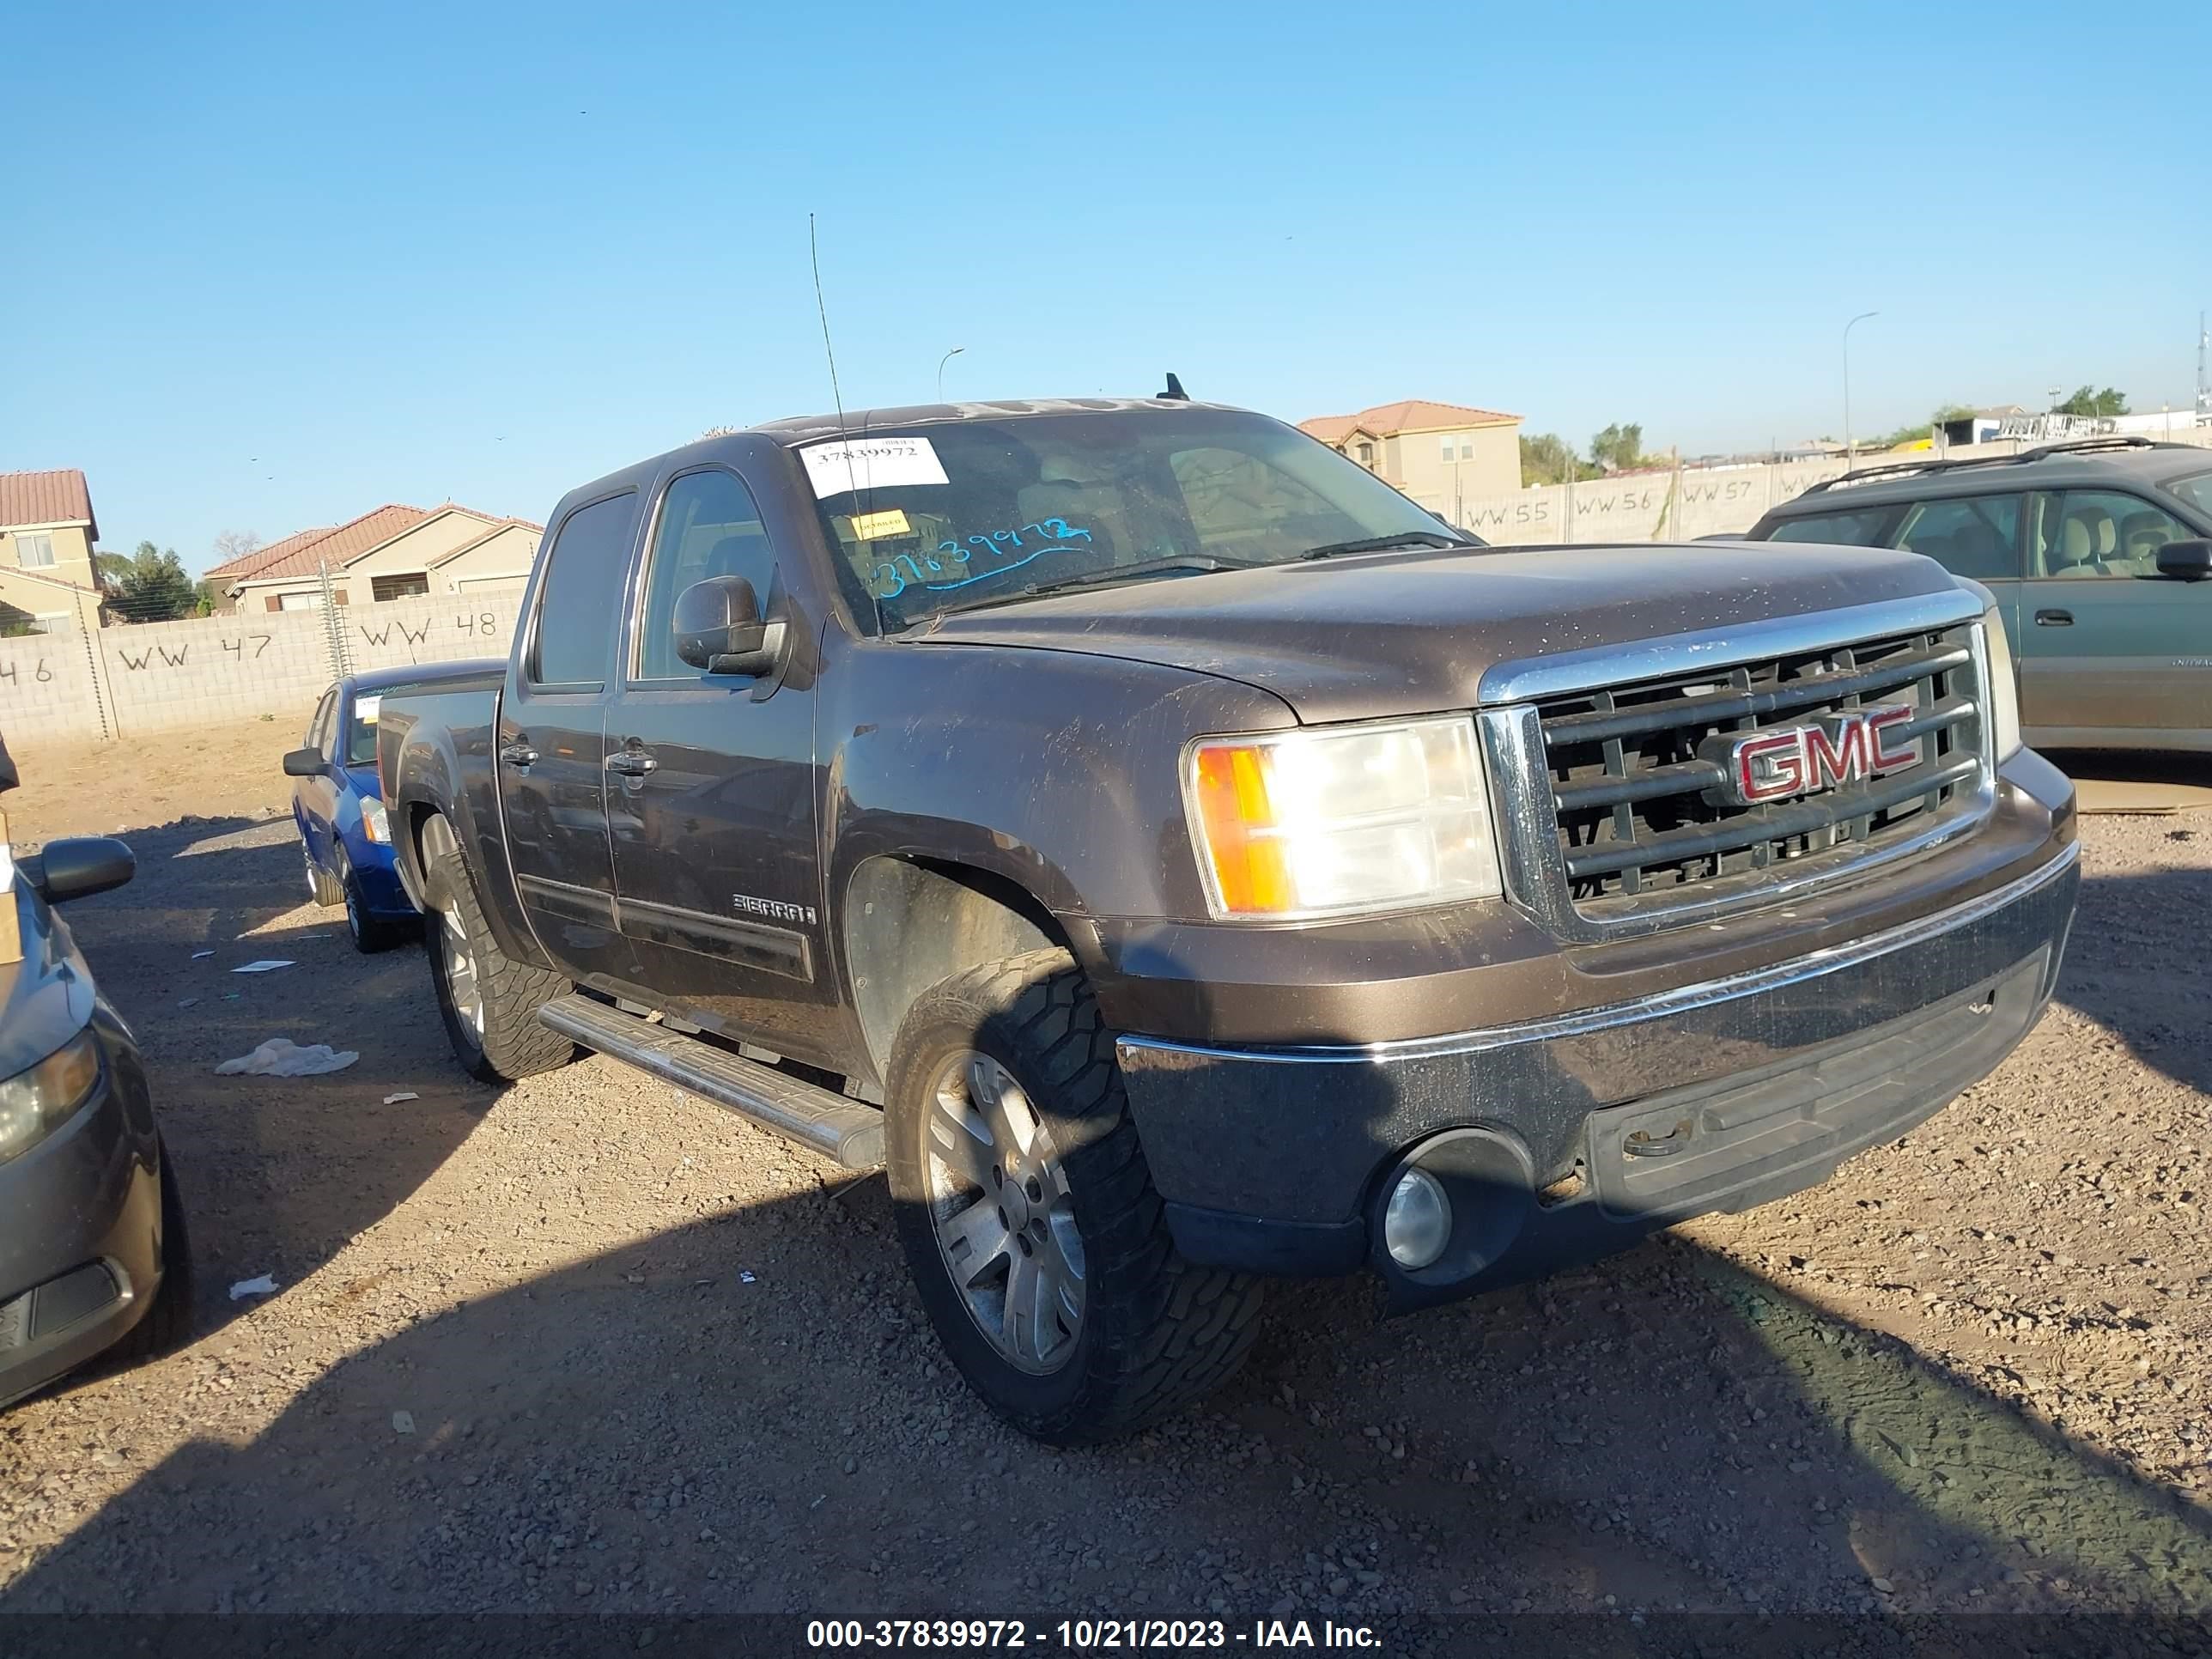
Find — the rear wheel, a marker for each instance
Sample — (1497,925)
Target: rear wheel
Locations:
(1028,1216)
(322,886)
(488,1000)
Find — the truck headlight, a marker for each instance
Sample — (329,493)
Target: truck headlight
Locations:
(2003,687)
(1338,821)
(374,823)
(39,1100)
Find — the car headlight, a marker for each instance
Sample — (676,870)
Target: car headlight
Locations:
(374,823)
(1326,823)
(36,1102)
(2003,687)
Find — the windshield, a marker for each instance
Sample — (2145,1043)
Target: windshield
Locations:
(2197,491)
(956,513)
(361,726)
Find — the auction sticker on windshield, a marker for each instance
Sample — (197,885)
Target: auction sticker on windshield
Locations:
(871,464)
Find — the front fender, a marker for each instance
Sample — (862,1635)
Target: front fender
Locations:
(1051,770)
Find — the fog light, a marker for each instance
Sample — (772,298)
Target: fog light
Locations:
(1417,1223)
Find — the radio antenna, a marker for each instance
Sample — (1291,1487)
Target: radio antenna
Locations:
(821,308)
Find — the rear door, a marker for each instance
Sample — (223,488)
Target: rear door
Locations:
(550,748)
(1978,537)
(2109,651)
(712,796)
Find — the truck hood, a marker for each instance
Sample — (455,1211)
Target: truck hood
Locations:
(1358,638)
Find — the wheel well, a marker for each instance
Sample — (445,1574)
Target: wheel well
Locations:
(910,923)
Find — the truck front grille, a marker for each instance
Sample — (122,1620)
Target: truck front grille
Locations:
(1641,818)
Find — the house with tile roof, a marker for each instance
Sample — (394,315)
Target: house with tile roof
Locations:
(389,552)
(46,536)
(1440,454)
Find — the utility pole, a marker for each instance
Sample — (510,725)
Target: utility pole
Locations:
(1849,448)
(2204,384)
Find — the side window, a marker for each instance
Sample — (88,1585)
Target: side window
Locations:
(1976,535)
(1236,502)
(709,527)
(318,729)
(580,600)
(2101,533)
(1863,528)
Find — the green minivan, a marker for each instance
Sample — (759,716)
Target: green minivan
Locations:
(2099,554)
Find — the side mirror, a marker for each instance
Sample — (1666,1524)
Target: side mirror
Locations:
(2189,562)
(305,764)
(719,629)
(78,867)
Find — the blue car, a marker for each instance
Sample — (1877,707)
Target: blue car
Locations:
(337,802)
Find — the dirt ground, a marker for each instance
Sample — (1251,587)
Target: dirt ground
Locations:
(588,1345)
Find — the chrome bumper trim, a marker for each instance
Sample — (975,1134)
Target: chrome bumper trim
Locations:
(1659,1005)
(1531,679)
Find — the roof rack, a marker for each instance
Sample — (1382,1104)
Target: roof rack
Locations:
(2110,441)
(2040,453)
(1901,469)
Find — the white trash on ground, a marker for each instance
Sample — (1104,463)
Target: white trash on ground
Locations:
(261,967)
(282,1057)
(264,1286)
(404,1094)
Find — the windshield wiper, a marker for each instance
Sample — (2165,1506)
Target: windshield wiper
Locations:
(1195,563)
(1379,543)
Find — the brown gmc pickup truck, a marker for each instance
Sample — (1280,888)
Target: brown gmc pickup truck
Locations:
(1184,861)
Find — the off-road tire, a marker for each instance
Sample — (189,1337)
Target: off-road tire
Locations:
(167,1325)
(512,1045)
(1158,1332)
(324,885)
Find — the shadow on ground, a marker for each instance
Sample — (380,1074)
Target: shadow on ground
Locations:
(747,1414)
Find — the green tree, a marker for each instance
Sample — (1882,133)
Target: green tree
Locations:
(1619,447)
(1548,458)
(1906,435)
(2087,401)
(150,586)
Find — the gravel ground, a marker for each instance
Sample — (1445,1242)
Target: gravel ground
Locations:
(588,1345)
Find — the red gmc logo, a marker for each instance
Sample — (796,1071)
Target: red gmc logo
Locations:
(1798,760)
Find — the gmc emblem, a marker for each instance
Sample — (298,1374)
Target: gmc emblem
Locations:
(1798,760)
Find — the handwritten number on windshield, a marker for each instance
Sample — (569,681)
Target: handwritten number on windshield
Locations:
(965,561)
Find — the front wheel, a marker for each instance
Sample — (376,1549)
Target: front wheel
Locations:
(370,931)
(1028,1217)
(488,1000)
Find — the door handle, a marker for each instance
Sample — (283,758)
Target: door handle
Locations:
(2054,619)
(519,754)
(631,762)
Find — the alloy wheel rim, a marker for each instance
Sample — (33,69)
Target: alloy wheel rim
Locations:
(460,963)
(1001,1212)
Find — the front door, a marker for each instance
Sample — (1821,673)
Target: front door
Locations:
(711,800)
(550,745)
(2109,651)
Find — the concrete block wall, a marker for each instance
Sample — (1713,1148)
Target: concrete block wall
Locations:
(122,681)
(1721,500)
(47,691)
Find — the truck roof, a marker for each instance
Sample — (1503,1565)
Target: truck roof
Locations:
(808,429)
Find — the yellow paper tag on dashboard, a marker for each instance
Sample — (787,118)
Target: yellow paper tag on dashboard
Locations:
(874,526)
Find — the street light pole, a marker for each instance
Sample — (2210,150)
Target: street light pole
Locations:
(1851,451)
(941,362)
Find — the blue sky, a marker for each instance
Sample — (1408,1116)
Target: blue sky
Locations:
(275,266)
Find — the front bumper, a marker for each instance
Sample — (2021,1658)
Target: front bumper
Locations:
(81,1227)
(1561,1139)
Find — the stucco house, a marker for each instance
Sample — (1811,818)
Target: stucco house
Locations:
(46,536)
(1440,454)
(391,552)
